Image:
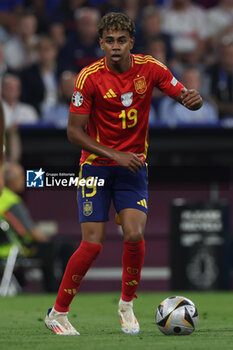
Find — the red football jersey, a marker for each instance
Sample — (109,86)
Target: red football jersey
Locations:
(118,104)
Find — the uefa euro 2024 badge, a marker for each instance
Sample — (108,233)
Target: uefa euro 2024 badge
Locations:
(77,99)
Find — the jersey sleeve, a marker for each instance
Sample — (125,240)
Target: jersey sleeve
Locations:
(82,98)
(165,80)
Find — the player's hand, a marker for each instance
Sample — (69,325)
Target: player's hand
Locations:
(39,236)
(191,99)
(129,160)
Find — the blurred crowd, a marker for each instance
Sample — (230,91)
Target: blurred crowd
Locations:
(45,43)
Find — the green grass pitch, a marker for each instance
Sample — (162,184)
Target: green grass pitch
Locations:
(95,316)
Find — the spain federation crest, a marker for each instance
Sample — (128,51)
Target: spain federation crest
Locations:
(87,208)
(140,85)
(77,99)
(127,99)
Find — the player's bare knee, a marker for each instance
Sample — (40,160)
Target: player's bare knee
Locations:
(93,237)
(130,236)
(133,232)
(93,232)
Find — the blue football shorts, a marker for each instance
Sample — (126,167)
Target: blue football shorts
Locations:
(98,185)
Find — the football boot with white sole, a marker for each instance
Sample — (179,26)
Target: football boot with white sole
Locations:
(129,323)
(58,323)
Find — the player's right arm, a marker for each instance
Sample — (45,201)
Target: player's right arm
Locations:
(77,135)
(1,148)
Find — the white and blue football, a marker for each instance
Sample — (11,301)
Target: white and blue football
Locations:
(176,315)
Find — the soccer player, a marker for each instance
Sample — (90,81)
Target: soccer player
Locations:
(1,147)
(109,121)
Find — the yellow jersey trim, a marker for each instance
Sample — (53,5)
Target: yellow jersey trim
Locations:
(89,160)
(91,72)
(146,144)
(148,58)
(86,71)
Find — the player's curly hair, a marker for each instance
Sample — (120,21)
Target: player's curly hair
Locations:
(116,21)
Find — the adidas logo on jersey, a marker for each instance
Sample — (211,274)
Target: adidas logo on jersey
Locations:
(143,203)
(110,94)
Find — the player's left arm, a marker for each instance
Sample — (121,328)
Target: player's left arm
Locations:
(166,82)
(190,98)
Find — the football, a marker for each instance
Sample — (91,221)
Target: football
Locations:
(176,315)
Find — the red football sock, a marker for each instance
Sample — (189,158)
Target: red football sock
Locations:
(132,261)
(76,269)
